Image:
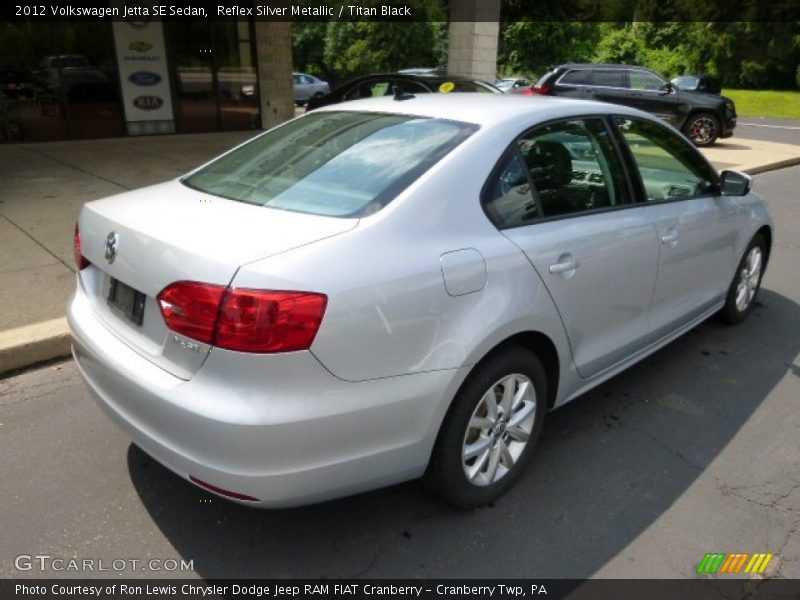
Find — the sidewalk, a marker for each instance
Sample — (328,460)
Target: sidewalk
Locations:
(42,187)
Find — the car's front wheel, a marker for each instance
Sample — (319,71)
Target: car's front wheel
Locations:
(746,282)
(490,430)
(702,129)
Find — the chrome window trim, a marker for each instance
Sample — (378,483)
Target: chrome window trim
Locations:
(606,87)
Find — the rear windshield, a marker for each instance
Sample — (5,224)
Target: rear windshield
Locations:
(340,164)
(469,86)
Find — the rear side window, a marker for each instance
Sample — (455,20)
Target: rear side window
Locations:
(464,86)
(670,167)
(607,78)
(573,167)
(546,79)
(341,164)
(576,78)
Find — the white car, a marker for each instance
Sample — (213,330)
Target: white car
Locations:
(401,287)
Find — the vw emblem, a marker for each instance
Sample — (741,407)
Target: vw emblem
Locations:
(112,239)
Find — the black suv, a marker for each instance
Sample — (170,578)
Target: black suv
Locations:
(702,117)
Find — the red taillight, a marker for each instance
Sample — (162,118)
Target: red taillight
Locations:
(542,89)
(268,321)
(80,259)
(244,320)
(191,308)
(222,491)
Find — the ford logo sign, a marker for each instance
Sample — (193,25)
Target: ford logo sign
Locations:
(148,102)
(144,78)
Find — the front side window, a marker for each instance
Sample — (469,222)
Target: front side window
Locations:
(670,167)
(573,168)
(642,80)
(340,164)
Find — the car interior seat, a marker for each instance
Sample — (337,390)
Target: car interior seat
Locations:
(550,166)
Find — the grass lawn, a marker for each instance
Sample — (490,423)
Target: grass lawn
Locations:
(765,103)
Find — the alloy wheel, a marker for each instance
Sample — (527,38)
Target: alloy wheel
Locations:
(499,430)
(749,278)
(703,130)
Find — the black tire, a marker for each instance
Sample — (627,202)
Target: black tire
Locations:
(733,312)
(446,475)
(702,129)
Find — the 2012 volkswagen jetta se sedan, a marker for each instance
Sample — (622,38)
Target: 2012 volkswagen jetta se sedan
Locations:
(400,288)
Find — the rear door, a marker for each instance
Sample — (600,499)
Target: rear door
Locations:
(697,227)
(608,85)
(561,195)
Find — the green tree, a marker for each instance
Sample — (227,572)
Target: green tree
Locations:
(339,50)
(529,47)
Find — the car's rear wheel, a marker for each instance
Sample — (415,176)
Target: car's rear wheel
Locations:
(702,129)
(746,282)
(490,430)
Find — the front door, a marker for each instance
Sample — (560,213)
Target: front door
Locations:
(648,93)
(697,227)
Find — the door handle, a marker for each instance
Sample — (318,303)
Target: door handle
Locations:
(567,263)
(670,238)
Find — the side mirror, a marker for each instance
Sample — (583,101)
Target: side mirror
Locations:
(734,183)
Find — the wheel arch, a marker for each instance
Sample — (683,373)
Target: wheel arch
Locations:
(534,341)
(544,349)
(766,232)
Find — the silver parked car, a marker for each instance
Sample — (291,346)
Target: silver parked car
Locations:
(397,288)
(513,86)
(308,86)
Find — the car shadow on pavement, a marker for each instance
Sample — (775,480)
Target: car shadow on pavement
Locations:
(609,464)
(725,145)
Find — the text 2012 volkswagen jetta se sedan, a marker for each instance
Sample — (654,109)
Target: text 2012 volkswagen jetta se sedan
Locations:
(396,288)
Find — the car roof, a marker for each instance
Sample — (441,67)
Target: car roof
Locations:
(601,66)
(428,77)
(483,109)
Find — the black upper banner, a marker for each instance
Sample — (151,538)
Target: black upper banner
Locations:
(422,589)
(403,10)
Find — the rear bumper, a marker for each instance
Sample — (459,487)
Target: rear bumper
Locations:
(279,428)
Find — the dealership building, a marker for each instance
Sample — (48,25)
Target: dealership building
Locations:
(90,79)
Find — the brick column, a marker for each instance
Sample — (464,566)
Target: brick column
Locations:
(472,45)
(275,83)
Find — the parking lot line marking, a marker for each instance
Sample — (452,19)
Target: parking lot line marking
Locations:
(769,126)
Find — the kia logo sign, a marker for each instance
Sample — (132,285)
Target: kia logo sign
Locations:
(144,78)
(148,102)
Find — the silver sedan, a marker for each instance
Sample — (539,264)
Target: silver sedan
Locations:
(401,288)
(307,87)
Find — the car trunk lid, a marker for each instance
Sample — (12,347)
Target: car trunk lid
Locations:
(167,233)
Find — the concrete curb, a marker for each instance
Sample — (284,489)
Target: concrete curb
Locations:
(774,166)
(26,346)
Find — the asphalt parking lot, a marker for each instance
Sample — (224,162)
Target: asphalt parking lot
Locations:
(692,451)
